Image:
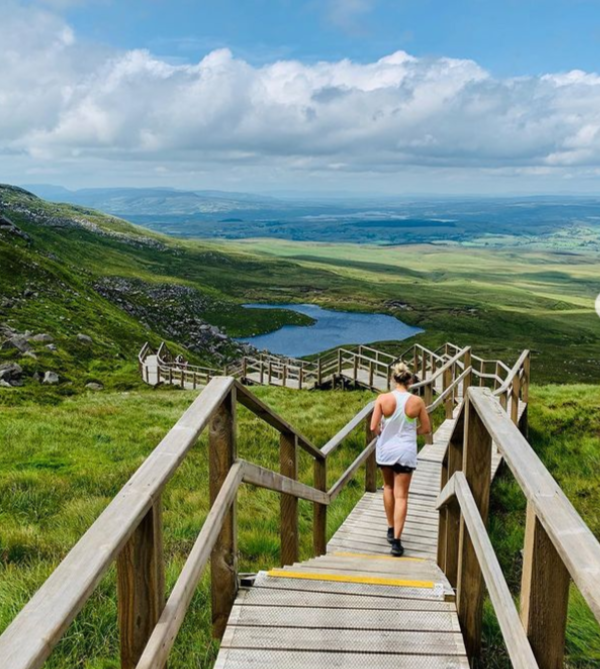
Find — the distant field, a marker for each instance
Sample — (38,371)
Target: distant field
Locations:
(499,301)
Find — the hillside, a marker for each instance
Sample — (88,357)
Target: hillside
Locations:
(68,270)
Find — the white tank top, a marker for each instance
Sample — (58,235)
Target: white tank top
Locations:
(397,443)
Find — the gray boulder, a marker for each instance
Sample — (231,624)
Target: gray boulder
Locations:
(51,378)
(10,371)
(84,339)
(51,347)
(92,385)
(16,343)
(42,339)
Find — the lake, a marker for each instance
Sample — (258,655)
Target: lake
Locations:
(331,329)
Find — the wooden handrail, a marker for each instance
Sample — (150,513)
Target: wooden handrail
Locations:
(444,394)
(575,543)
(440,371)
(336,440)
(339,485)
(266,478)
(30,638)
(517,367)
(262,410)
(517,645)
(163,637)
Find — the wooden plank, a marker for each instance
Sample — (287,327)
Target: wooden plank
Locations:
(266,478)
(264,580)
(335,641)
(222,454)
(544,595)
(262,596)
(346,619)
(288,504)
(141,586)
(371,464)
(341,483)
(234,658)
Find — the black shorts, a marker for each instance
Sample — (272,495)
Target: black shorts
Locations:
(398,468)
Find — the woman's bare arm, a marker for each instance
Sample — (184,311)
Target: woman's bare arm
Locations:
(376,417)
(424,420)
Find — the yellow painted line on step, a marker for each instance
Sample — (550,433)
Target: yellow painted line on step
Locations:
(370,556)
(341,578)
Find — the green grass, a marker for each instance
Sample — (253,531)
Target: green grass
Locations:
(60,467)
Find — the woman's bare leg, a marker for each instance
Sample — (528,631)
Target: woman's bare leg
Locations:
(401,485)
(388,494)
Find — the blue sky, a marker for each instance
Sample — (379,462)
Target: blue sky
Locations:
(461,96)
(508,37)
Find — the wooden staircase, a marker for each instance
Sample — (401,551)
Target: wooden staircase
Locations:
(351,604)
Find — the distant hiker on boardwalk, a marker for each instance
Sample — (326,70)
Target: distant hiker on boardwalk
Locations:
(398,417)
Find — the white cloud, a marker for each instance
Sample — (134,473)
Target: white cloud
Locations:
(61,99)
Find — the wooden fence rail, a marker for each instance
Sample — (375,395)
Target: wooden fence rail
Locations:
(129,532)
(559,547)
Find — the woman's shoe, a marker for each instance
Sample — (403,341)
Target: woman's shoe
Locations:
(397,548)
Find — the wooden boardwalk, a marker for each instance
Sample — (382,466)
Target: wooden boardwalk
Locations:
(339,609)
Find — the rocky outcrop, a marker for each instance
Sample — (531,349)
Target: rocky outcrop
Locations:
(7,226)
(14,200)
(174,311)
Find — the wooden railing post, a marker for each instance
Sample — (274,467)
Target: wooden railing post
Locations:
(423,363)
(515,394)
(223,562)
(141,586)
(467,360)
(300,378)
(355,372)
(415,359)
(288,459)
(270,373)
(371,463)
(340,361)
(285,375)
(448,402)
(319,371)
(320,510)
(428,399)
(370,373)
(544,595)
(477,463)
(526,378)
(449,529)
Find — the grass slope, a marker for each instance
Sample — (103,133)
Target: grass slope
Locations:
(60,468)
